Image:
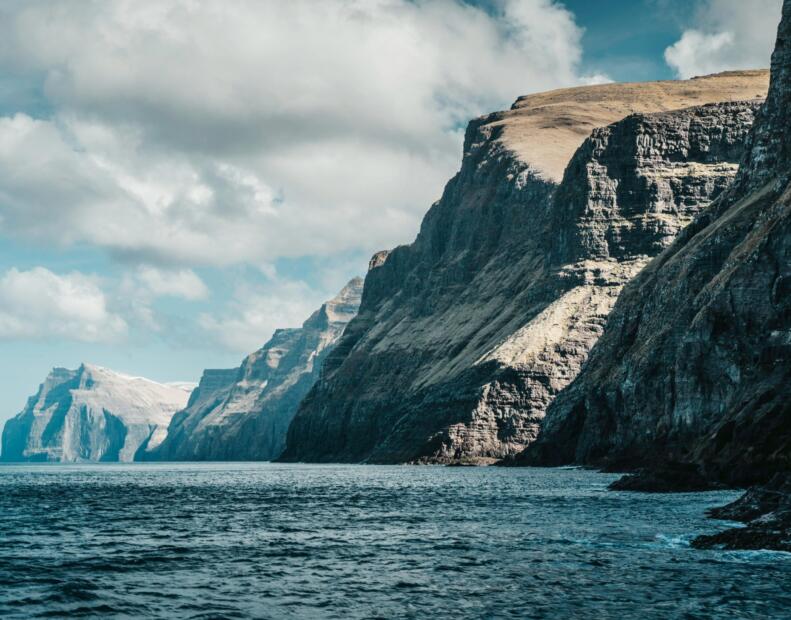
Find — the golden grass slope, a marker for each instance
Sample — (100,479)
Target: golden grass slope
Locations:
(545,129)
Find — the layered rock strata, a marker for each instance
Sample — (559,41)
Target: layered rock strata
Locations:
(92,414)
(244,413)
(464,337)
(694,366)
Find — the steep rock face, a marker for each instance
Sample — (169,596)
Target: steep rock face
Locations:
(464,337)
(695,363)
(244,413)
(92,414)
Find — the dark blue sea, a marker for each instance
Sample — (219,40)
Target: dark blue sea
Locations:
(299,541)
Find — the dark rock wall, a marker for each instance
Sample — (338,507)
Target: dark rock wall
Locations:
(695,362)
(464,337)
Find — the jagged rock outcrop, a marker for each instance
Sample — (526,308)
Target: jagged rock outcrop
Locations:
(766,513)
(694,366)
(464,337)
(244,413)
(666,478)
(92,414)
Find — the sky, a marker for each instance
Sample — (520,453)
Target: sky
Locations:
(179,178)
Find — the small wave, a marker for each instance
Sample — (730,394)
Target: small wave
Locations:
(675,541)
(755,555)
(202,542)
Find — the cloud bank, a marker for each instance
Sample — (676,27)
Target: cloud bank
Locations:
(39,304)
(256,311)
(727,34)
(183,133)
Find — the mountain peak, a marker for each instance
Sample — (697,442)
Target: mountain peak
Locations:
(244,413)
(92,413)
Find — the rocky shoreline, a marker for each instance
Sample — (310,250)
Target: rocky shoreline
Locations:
(667,478)
(766,512)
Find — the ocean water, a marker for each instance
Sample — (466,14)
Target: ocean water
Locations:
(299,541)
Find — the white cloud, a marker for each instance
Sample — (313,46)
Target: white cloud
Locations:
(727,34)
(41,304)
(594,79)
(183,283)
(188,133)
(138,290)
(256,311)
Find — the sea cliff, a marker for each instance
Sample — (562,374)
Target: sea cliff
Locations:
(466,336)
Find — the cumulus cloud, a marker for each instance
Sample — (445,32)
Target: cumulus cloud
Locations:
(185,133)
(183,283)
(74,182)
(40,304)
(727,34)
(139,289)
(256,311)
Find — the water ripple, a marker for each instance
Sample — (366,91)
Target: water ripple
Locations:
(274,541)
